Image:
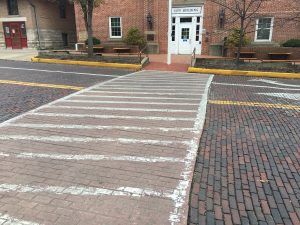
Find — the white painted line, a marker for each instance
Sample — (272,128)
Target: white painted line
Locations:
(257,86)
(130,102)
(122,109)
(84,191)
(143,93)
(160,86)
(141,82)
(112,116)
(89,139)
(149,89)
(58,71)
(88,127)
(275,82)
(134,97)
(181,192)
(150,159)
(6,219)
(283,95)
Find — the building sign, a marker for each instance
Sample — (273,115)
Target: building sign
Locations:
(187,10)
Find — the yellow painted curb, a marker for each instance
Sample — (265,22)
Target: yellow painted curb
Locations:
(244,73)
(86,63)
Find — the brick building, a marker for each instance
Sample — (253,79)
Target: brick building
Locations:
(195,23)
(36,23)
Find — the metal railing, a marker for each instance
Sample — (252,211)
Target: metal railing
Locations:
(193,57)
(141,53)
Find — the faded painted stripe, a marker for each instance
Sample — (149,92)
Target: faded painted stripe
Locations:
(14,82)
(130,102)
(6,219)
(59,71)
(150,159)
(135,97)
(181,191)
(68,126)
(84,191)
(112,116)
(89,139)
(257,86)
(254,104)
(121,109)
(276,83)
(143,93)
(295,97)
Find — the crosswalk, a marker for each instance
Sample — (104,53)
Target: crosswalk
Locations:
(127,145)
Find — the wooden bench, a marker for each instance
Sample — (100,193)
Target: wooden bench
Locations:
(98,49)
(247,55)
(279,55)
(59,51)
(292,61)
(248,59)
(122,50)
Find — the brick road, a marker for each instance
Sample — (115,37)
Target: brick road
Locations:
(248,164)
(16,99)
(120,152)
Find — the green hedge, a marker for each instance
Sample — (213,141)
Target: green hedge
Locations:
(96,41)
(292,43)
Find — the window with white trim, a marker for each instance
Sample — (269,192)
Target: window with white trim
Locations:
(264,29)
(115,27)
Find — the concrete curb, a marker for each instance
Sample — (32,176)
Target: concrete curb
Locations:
(134,67)
(244,73)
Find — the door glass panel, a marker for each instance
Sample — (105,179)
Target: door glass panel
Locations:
(6,31)
(185,33)
(23,30)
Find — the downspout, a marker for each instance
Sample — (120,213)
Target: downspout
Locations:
(36,24)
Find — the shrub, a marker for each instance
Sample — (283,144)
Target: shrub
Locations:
(292,43)
(233,39)
(96,41)
(134,37)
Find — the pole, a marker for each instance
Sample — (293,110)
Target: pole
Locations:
(169,59)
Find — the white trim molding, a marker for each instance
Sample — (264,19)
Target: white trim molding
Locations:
(271,29)
(13,19)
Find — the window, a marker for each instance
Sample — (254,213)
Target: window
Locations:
(264,29)
(115,26)
(173,28)
(62,8)
(186,20)
(23,30)
(12,6)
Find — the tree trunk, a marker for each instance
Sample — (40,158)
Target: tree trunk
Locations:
(241,38)
(90,5)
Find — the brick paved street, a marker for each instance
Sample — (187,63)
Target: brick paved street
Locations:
(120,152)
(248,165)
(16,99)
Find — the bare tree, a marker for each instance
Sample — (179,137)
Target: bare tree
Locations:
(240,12)
(87,7)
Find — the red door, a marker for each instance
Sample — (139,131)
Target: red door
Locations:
(15,35)
(16,41)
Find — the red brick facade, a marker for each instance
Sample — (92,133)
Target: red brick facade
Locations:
(134,13)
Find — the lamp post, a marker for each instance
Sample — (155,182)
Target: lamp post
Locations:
(169,60)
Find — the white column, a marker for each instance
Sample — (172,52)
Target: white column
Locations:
(169,60)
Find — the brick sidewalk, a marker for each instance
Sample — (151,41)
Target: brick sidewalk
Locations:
(248,165)
(121,152)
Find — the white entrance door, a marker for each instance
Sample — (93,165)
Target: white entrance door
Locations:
(186,38)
